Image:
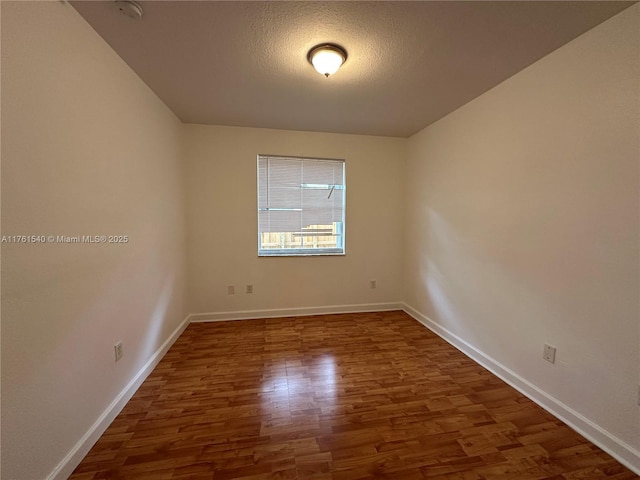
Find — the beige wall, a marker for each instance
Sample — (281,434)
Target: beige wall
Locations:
(516,217)
(87,149)
(523,225)
(222,219)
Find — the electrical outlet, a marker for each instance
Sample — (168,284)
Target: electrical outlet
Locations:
(231,290)
(249,288)
(118,350)
(549,353)
(372,284)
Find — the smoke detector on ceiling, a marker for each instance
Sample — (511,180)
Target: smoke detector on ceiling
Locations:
(129,8)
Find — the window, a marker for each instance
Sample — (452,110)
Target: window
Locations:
(300,206)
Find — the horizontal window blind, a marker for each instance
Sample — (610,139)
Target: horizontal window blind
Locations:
(302,200)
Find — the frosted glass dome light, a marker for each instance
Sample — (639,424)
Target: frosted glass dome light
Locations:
(327,58)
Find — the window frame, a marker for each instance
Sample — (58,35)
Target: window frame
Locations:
(303,252)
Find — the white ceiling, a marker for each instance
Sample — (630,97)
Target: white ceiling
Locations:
(410,63)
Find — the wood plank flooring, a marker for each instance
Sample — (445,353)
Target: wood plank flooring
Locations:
(340,397)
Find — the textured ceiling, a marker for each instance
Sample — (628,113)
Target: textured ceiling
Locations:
(410,63)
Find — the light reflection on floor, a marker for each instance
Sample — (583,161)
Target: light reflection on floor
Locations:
(292,390)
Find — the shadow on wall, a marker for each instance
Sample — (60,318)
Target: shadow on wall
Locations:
(510,298)
(138,292)
(153,337)
(65,306)
(470,293)
(96,295)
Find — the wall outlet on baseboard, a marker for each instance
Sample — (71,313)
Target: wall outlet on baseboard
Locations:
(118,350)
(249,288)
(372,284)
(231,290)
(549,353)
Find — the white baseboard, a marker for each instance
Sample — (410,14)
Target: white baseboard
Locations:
(292,312)
(64,469)
(615,447)
(618,449)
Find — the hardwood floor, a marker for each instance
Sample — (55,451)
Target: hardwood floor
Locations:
(341,397)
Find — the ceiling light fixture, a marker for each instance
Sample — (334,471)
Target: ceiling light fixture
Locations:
(327,58)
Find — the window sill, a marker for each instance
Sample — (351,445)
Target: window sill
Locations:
(300,253)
